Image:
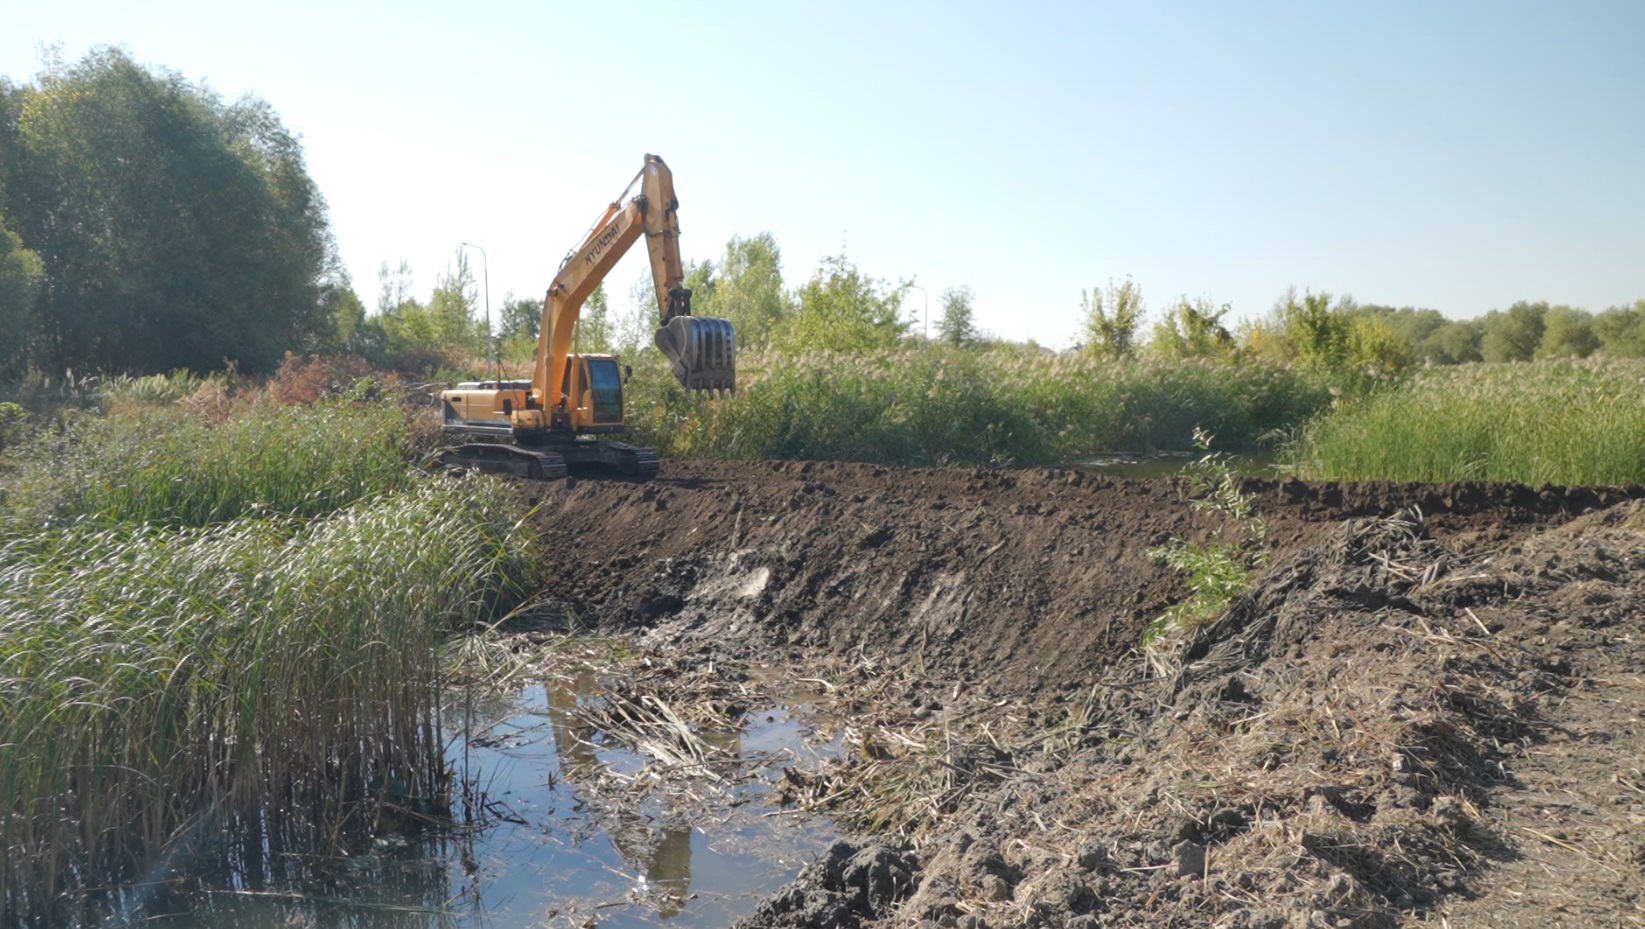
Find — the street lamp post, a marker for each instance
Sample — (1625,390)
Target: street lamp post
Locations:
(485,265)
(927,295)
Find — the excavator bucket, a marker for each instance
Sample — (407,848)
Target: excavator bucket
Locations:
(703,351)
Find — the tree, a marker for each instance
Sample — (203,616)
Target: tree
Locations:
(1514,335)
(453,309)
(348,317)
(21,276)
(958,325)
(1621,331)
(1567,333)
(748,290)
(1193,330)
(1315,336)
(520,318)
(841,309)
(1112,318)
(700,280)
(174,230)
(1453,343)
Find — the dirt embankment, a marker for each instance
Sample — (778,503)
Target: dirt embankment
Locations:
(1428,711)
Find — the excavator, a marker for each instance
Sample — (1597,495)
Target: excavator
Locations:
(563,416)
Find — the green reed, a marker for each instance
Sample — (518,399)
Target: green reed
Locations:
(932,405)
(1571,423)
(158,682)
(168,464)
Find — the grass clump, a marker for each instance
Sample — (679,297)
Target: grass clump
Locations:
(1218,571)
(1552,422)
(160,683)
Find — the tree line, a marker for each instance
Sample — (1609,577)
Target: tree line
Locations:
(146,224)
(1317,330)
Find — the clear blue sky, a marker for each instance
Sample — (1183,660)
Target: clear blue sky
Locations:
(1455,155)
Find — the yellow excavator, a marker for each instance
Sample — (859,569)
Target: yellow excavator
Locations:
(560,417)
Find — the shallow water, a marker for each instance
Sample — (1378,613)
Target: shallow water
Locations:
(570,831)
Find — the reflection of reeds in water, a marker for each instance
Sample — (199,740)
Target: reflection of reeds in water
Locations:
(275,679)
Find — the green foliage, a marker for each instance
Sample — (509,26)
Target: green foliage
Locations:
(1621,331)
(261,671)
(1218,571)
(165,465)
(958,325)
(1112,318)
(995,405)
(1193,330)
(1454,343)
(13,423)
(1567,333)
(22,275)
(1514,335)
(407,334)
(749,290)
(1375,345)
(1316,336)
(1550,422)
(521,317)
(174,230)
(842,310)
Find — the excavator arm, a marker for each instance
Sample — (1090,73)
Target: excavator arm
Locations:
(702,350)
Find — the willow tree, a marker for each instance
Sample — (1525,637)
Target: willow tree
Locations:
(174,230)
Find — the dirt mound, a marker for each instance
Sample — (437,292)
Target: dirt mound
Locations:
(1429,708)
(1024,580)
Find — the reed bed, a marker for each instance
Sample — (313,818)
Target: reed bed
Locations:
(256,677)
(1570,423)
(932,405)
(166,464)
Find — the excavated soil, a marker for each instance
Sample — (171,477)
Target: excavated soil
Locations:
(1426,713)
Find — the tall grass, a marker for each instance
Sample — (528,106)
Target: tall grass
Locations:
(933,405)
(167,464)
(1562,422)
(160,683)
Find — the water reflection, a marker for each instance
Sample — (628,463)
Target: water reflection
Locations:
(570,825)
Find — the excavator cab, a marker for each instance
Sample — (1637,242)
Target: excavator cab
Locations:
(594,384)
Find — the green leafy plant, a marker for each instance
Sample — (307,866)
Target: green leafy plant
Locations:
(1218,571)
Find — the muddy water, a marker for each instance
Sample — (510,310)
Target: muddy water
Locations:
(569,826)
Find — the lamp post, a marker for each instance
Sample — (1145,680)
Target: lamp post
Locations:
(485,266)
(927,295)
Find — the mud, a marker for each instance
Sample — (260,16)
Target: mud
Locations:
(1427,713)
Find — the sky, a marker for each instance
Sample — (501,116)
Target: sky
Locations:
(1455,155)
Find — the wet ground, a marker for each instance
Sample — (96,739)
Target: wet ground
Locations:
(1427,711)
(566,824)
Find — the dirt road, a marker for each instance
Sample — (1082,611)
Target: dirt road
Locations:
(1426,714)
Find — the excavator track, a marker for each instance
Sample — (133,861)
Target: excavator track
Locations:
(632,461)
(646,463)
(497,458)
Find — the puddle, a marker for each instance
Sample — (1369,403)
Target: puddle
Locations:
(575,829)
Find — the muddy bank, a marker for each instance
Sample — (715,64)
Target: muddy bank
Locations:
(1427,711)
